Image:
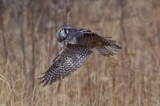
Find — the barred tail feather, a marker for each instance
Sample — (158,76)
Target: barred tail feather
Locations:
(111,44)
(104,51)
(109,48)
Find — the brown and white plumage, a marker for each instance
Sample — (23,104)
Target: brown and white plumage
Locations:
(77,45)
(68,60)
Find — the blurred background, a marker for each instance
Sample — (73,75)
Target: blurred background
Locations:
(28,46)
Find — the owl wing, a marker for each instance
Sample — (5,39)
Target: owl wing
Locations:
(68,60)
(89,38)
(104,45)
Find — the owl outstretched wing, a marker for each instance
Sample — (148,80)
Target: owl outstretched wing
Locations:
(104,45)
(69,59)
(89,38)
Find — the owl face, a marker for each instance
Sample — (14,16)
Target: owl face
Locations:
(63,33)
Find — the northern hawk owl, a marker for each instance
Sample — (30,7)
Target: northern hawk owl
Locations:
(77,44)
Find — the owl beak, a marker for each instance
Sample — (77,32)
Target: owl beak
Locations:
(63,43)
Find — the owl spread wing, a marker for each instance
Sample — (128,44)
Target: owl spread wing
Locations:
(104,46)
(89,38)
(68,60)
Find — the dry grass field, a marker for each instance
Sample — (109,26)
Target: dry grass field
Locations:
(28,46)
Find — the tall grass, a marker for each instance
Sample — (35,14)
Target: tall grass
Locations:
(28,46)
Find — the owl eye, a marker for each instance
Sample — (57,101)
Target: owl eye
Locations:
(61,31)
(66,31)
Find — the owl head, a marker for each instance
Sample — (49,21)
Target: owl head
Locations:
(62,34)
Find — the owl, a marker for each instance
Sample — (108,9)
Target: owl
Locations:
(77,45)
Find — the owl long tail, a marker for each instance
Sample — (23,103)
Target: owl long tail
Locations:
(109,48)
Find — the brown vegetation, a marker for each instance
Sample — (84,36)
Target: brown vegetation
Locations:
(28,45)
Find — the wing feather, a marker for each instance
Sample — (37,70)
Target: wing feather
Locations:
(68,60)
(103,45)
